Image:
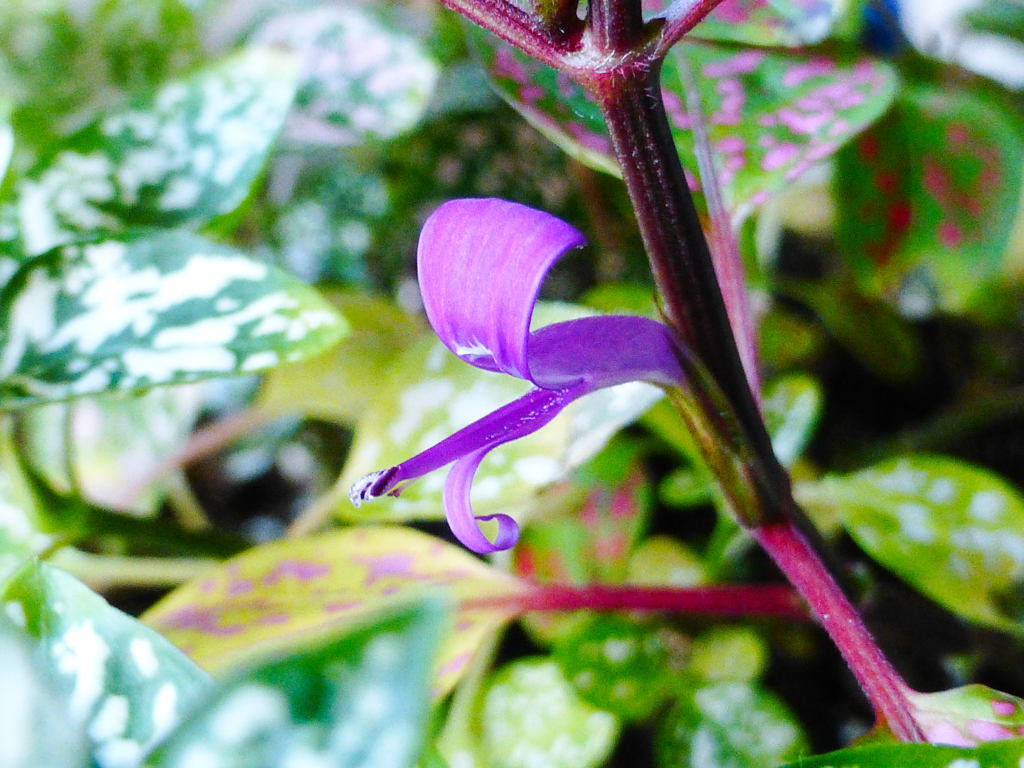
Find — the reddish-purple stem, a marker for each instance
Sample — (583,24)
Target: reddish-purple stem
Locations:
(524,30)
(881,683)
(717,600)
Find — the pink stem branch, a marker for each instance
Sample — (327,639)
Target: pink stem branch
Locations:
(880,682)
(718,600)
(680,18)
(524,30)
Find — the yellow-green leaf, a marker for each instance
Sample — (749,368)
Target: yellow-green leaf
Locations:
(291,591)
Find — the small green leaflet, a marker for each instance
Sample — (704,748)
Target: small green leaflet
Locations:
(355,701)
(998,754)
(531,716)
(625,667)
(120,680)
(183,156)
(729,725)
(35,728)
(362,79)
(952,530)
(771,116)
(792,406)
(148,309)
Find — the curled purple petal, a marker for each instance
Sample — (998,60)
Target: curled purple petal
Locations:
(481,263)
(459,511)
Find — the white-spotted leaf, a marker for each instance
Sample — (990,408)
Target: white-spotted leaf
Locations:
(729,725)
(362,79)
(355,701)
(293,591)
(183,156)
(35,727)
(952,530)
(126,685)
(148,309)
(532,716)
(623,666)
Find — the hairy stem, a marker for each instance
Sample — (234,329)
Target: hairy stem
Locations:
(529,33)
(717,600)
(878,679)
(682,16)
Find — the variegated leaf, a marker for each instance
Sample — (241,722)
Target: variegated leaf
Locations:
(771,116)
(35,728)
(120,680)
(185,155)
(362,79)
(532,716)
(148,309)
(355,701)
(952,530)
(295,591)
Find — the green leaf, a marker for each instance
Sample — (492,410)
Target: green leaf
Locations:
(666,561)
(104,440)
(63,62)
(929,196)
(771,116)
(729,725)
(148,309)
(870,330)
(622,666)
(770,22)
(35,728)
(792,407)
(952,530)
(1000,754)
(532,716)
(362,78)
(120,680)
(185,155)
(429,394)
(969,715)
(340,384)
(293,591)
(360,700)
(721,654)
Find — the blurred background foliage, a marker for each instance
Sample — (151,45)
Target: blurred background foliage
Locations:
(211,327)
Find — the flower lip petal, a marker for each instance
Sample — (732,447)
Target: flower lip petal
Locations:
(481,263)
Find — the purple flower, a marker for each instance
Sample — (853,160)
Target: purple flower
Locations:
(481,263)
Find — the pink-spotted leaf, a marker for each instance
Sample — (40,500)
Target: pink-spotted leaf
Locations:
(771,115)
(290,592)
